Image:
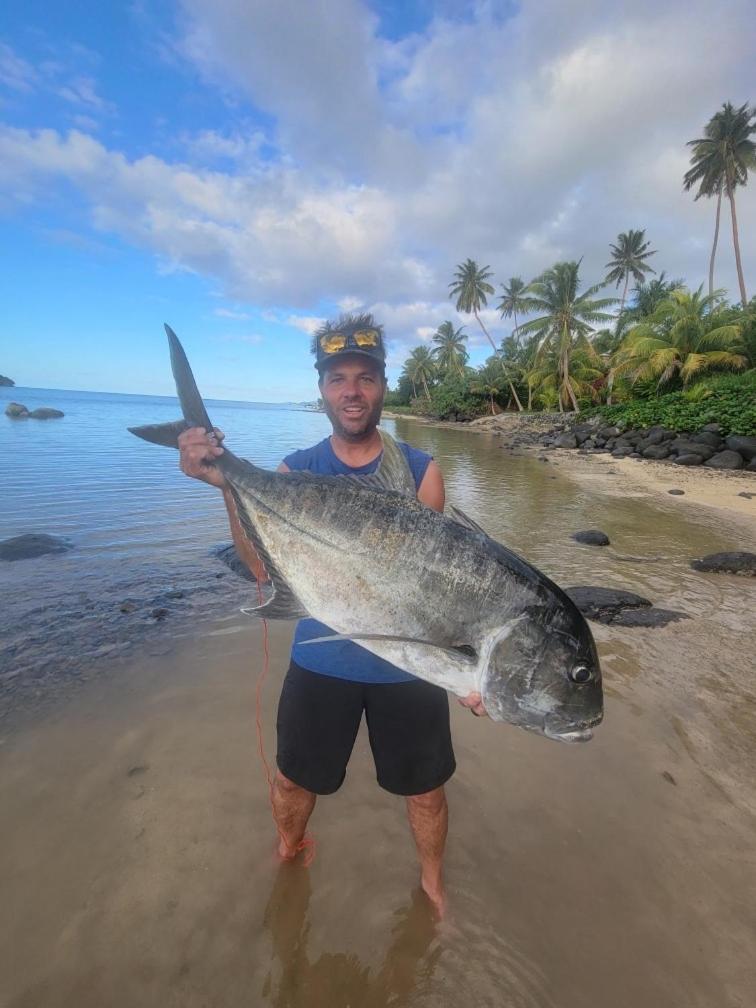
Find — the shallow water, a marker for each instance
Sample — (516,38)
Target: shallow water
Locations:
(139,865)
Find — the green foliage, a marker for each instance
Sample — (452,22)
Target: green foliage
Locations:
(729,400)
(452,399)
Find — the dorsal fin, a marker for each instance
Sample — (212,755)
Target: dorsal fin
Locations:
(393,469)
(464,520)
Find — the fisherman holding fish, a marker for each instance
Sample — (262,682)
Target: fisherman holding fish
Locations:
(329,684)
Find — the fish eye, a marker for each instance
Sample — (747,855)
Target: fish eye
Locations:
(581,674)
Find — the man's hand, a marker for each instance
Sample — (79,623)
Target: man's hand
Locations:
(197,453)
(474,702)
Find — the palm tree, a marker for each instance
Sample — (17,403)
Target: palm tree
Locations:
(513,299)
(684,337)
(585,373)
(628,260)
(720,163)
(420,367)
(488,381)
(563,328)
(450,351)
(471,289)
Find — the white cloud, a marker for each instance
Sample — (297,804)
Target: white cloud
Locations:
(16,73)
(515,136)
(229,313)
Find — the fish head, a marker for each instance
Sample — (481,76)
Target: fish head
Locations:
(541,671)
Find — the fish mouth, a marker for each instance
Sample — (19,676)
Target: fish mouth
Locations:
(576,735)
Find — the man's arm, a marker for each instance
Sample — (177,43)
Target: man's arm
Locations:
(197,454)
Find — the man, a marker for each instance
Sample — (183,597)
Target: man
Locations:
(330,684)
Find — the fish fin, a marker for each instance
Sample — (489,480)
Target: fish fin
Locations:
(465,652)
(284,604)
(394,468)
(464,520)
(192,406)
(165,434)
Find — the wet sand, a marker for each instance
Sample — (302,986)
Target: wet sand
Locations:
(137,852)
(139,869)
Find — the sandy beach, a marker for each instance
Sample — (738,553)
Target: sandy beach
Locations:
(139,868)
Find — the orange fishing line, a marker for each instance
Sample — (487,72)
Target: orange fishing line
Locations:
(306,844)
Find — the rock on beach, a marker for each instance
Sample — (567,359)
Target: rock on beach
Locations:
(25,547)
(735,562)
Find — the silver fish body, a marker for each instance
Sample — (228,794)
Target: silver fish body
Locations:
(431,593)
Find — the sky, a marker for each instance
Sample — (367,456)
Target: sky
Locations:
(243,169)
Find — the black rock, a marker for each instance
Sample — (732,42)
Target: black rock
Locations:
(159,614)
(566,441)
(688,460)
(684,446)
(24,547)
(652,617)
(747,496)
(725,460)
(622,452)
(653,438)
(45,413)
(745,446)
(751,467)
(609,432)
(128,606)
(708,438)
(715,427)
(657,451)
(603,604)
(727,563)
(676,493)
(591,537)
(16,410)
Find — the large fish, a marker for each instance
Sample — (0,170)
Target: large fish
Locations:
(430,593)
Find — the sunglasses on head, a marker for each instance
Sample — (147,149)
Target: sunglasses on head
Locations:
(333,342)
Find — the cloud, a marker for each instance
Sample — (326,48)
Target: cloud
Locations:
(514,135)
(252,338)
(16,73)
(229,314)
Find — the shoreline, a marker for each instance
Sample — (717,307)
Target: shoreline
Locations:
(716,490)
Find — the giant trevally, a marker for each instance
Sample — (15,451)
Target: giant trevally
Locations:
(428,592)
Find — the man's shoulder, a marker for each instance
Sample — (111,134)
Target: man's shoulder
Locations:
(307,458)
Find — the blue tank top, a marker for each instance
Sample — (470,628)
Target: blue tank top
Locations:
(345,659)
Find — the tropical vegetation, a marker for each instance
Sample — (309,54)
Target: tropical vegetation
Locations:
(661,352)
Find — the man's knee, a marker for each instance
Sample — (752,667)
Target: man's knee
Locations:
(428,802)
(288,787)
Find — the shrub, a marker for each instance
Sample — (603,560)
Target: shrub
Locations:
(729,400)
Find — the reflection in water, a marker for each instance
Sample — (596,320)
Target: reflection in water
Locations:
(339,979)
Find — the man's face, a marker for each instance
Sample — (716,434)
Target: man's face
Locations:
(353,389)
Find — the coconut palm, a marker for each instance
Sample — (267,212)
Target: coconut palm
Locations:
(562,330)
(450,352)
(471,289)
(488,380)
(720,163)
(513,299)
(684,337)
(420,367)
(629,260)
(584,375)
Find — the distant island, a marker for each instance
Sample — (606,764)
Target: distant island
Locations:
(6,382)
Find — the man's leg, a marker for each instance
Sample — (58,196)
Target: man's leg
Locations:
(429,819)
(292,808)
(411,742)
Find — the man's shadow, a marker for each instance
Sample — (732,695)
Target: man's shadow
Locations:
(339,979)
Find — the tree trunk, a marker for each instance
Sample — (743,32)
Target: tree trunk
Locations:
(530,397)
(624,295)
(425,386)
(716,238)
(503,365)
(492,404)
(736,243)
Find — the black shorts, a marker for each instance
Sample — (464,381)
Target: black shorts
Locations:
(408,725)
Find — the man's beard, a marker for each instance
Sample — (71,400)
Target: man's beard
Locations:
(369,422)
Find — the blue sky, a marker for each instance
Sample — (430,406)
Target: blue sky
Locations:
(244,169)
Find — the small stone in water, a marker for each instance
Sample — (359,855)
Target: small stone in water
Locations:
(677,493)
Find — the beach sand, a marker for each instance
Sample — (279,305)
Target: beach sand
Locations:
(140,868)
(139,865)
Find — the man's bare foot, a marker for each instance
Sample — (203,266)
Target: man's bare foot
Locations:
(436,895)
(306,847)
